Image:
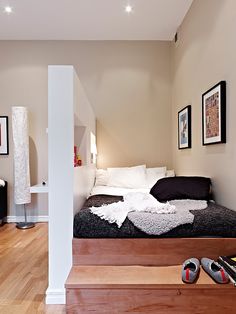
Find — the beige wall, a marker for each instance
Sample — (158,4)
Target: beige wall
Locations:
(128,84)
(132,95)
(204,55)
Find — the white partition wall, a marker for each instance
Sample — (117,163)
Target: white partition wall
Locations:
(68,186)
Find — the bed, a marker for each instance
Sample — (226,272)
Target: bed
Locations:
(214,221)
(98,242)
(101,244)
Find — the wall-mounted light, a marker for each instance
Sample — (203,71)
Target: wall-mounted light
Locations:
(93,148)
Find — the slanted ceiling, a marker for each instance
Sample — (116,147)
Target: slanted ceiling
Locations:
(92,19)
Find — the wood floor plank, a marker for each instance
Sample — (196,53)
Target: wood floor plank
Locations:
(24,270)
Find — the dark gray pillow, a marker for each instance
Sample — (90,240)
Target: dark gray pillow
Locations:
(176,188)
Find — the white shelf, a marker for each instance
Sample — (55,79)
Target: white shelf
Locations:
(39,188)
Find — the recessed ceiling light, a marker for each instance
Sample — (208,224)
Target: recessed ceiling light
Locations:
(128,8)
(8,10)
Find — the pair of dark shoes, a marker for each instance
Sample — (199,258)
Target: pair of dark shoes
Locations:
(191,269)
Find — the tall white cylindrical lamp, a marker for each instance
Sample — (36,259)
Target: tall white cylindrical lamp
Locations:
(20,133)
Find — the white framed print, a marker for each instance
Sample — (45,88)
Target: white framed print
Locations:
(214,115)
(184,128)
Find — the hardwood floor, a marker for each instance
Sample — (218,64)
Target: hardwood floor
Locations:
(24,270)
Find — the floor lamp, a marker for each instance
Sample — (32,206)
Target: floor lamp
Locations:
(20,133)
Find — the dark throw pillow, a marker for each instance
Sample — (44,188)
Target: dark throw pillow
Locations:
(176,188)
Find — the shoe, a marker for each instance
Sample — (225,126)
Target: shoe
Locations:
(190,270)
(215,270)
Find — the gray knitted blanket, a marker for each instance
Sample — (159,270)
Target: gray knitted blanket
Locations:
(157,224)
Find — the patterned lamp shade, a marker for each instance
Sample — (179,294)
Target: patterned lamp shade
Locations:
(21,155)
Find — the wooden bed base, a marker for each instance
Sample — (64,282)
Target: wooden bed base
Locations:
(153,252)
(111,276)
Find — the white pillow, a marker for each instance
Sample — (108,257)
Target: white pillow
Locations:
(156,170)
(127,177)
(154,174)
(101,177)
(170,173)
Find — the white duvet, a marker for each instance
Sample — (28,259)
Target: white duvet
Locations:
(110,190)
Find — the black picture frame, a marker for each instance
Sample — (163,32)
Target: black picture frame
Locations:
(185,128)
(4,137)
(214,115)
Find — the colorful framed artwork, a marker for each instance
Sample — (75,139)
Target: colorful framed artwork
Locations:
(214,115)
(184,128)
(4,135)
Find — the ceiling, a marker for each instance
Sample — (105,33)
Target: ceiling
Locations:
(91,19)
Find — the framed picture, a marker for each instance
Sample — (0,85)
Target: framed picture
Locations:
(184,128)
(214,115)
(4,135)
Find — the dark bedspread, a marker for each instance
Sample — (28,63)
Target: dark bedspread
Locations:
(214,221)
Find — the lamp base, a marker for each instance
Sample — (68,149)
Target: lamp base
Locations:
(25,225)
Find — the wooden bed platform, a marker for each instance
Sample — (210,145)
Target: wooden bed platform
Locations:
(155,252)
(144,276)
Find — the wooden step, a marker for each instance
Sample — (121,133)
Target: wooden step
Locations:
(134,277)
(143,289)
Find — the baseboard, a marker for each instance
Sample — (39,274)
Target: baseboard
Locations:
(55,296)
(29,218)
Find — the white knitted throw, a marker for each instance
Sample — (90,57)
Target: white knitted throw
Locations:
(133,202)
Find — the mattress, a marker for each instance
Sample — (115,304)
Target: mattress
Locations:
(214,221)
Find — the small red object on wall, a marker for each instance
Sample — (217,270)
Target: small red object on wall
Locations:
(75,156)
